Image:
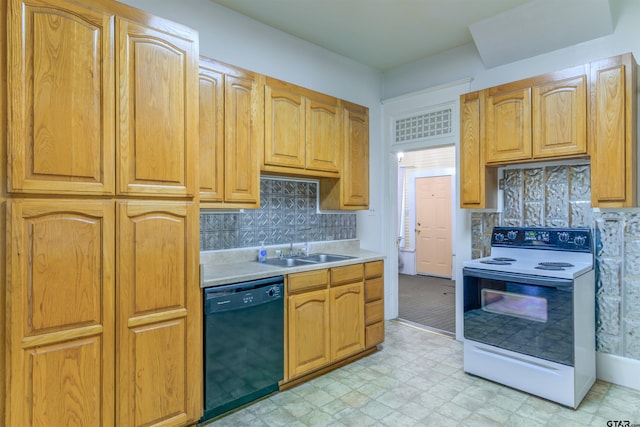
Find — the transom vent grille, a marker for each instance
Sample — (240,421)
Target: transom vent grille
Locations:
(434,123)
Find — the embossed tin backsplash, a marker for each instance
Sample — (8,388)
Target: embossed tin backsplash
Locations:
(559,196)
(288,213)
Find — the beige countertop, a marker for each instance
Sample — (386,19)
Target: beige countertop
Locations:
(232,266)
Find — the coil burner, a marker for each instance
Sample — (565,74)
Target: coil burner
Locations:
(498,261)
(555,266)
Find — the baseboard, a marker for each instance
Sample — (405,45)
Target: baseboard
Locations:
(618,370)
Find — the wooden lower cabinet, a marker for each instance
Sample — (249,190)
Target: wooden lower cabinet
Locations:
(308,332)
(159,339)
(84,351)
(347,321)
(374,303)
(325,318)
(60,312)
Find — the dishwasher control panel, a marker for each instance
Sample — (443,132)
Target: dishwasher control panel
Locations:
(274,292)
(235,296)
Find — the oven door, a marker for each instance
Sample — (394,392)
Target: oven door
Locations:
(526,314)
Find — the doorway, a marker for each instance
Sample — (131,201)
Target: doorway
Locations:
(426,293)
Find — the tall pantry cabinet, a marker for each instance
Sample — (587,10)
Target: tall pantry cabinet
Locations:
(102,323)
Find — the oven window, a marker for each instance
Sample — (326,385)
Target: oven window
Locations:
(517,305)
(521,317)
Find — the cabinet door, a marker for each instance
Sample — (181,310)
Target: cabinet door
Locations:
(308,332)
(508,125)
(243,137)
(211,152)
(323,142)
(60,291)
(347,320)
(560,118)
(60,98)
(284,127)
(157,126)
(477,182)
(355,171)
(374,303)
(159,337)
(613,134)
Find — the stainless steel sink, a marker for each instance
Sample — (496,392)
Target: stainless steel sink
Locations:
(287,262)
(306,260)
(326,257)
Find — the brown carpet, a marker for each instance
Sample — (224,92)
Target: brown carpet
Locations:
(427,301)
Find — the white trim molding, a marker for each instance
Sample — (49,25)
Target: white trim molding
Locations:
(618,370)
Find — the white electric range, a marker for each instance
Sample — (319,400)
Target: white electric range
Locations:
(529,312)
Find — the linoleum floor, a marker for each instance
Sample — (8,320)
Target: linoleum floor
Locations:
(417,379)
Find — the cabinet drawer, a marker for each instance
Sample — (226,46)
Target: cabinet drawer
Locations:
(373,269)
(374,334)
(299,282)
(373,312)
(373,289)
(347,274)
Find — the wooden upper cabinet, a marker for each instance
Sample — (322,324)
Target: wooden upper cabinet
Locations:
(613,132)
(302,131)
(60,98)
(508,125)
(243,137)
(284,126)
(323,142)
(211,132)
(477,182)
(355,176)
(230,135)
(157,125)
(159,338)
(351,191)
(541,117)
(60,298)
(560,118)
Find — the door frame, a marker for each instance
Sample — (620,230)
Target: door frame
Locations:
(391,108)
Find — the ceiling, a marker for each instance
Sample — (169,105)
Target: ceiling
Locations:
(385,34)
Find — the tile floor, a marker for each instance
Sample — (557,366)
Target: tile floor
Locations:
(416,379)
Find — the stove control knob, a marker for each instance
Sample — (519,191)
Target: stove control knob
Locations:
(499,237)
(580,240)
(512,235)
(563,236)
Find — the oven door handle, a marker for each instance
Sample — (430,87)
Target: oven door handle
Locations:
(527,279)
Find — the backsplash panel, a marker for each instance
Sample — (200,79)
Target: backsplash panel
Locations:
(288,213)
(560,196)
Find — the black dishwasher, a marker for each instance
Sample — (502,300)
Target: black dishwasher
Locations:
(243,343)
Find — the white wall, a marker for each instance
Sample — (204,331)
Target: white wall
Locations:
(235,39)
(465,62)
